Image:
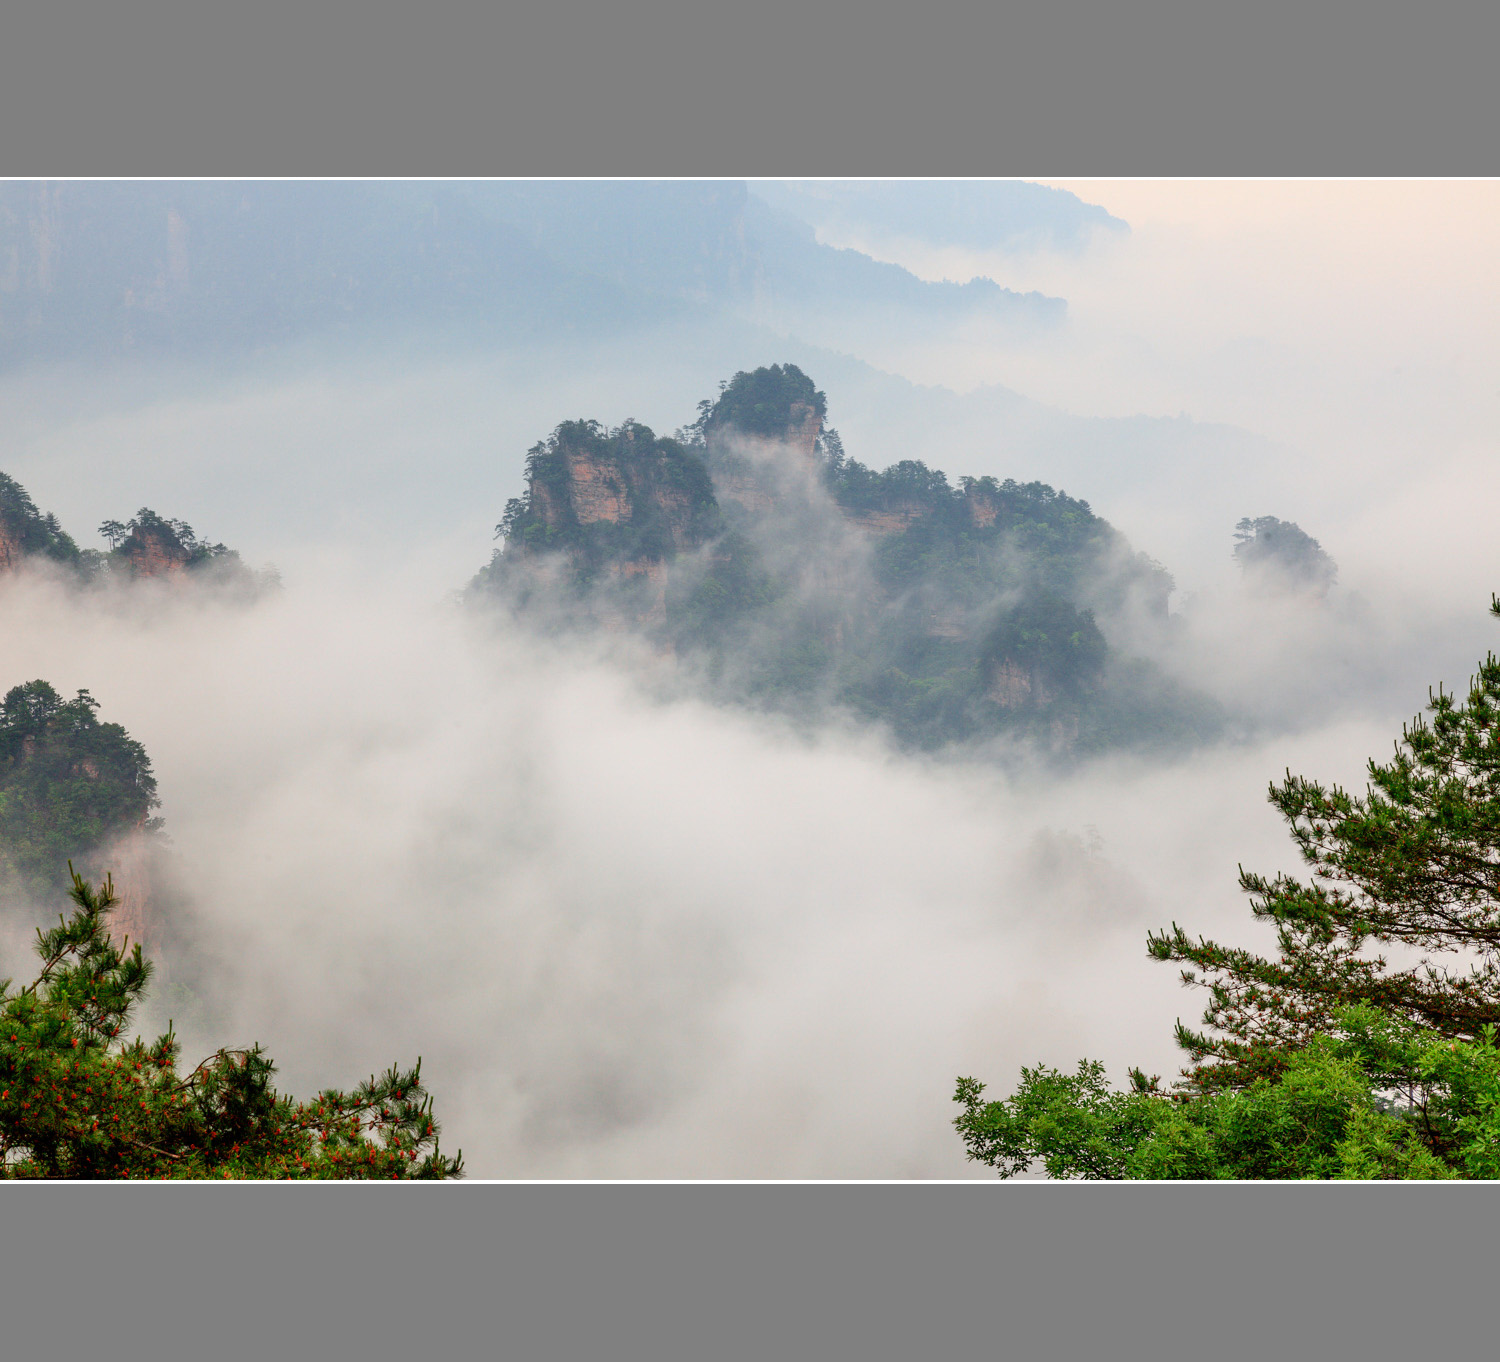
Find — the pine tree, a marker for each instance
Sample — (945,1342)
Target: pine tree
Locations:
(1328,1060)
(77,1102)
(1414,861)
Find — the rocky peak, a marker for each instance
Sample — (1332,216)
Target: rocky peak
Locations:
(773,405)
(799,432)
(586,479)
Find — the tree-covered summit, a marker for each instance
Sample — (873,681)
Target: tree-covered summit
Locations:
(1281,555)
(152,545)
(69,786)
(792,577)
(763,401)
(25,531)
(147,545)
(610,495)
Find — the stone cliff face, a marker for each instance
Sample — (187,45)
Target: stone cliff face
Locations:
(631,480)
(610,508)
(981,506)
(152,553)
(747,467)
(128,861)
(10,548)
(1011,686)
(882,523)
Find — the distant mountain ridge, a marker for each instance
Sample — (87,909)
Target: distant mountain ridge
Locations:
(204,267)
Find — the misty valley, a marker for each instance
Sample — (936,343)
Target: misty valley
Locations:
(710,804)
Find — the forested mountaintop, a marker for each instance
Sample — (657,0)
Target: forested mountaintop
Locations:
(786,574)
(146,545)
(72,788)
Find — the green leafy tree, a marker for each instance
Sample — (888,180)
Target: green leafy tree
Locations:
(76,1102)
(1413,862)
(1326,1114)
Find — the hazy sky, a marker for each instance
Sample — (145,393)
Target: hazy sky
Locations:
(1386,287)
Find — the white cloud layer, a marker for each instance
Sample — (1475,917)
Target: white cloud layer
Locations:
(630,938)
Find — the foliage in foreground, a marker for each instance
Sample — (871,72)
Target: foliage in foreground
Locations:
(1327,1060)
(75,1102)
(1375,1100)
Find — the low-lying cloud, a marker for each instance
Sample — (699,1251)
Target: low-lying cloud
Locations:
(627,937)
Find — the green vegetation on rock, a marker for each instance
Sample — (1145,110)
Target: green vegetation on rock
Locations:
(27,529)
(69,785)
(793,578)
(761,402)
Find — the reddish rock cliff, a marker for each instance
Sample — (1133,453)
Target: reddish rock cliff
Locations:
(10,548)
(152,553)
(128,861)
(886,522)
(1012,686)
(625,478)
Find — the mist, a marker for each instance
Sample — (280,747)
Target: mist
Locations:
(633,933)
(632,938)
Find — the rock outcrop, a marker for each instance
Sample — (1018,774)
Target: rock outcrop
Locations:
(10,548)
(881,523)
(654,491)
(612,507)
(128,862)
(800,577)
(155,552)
(1011,686)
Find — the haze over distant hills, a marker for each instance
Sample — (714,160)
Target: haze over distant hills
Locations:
(1011,215)
(100,267)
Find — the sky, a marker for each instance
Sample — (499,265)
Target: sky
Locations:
(639,938)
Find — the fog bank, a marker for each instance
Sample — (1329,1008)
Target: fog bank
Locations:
(628,938)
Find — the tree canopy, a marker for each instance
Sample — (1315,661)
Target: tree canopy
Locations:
(760,402)
(78,1102)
